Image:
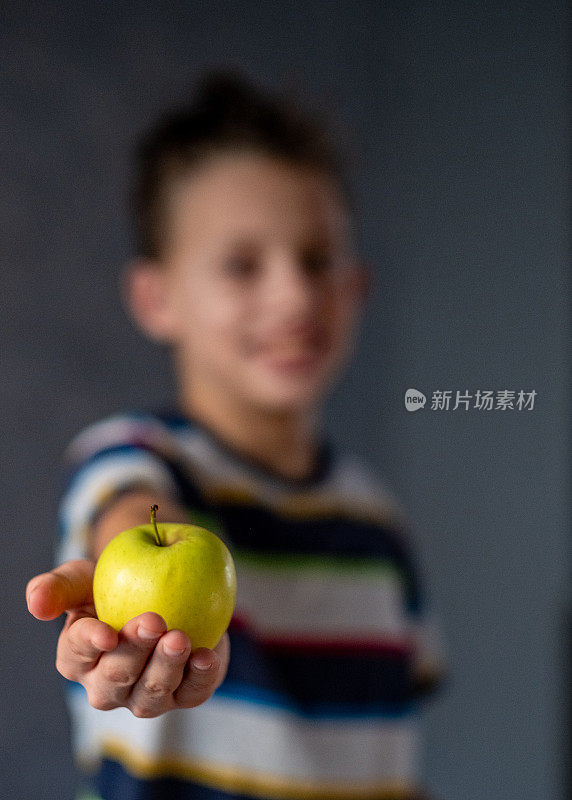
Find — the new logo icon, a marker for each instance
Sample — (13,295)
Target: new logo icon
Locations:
(414,400)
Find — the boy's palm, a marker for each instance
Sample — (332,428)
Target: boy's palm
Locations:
(143,667)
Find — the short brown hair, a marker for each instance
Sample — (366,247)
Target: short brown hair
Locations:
(226,114)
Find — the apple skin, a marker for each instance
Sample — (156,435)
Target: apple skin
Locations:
(190,580)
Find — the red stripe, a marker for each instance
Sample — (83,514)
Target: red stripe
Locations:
(308,644)
(239,622)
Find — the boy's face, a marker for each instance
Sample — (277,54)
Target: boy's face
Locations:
(258,290)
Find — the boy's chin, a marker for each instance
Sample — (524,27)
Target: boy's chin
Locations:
(295,390)
(293,399)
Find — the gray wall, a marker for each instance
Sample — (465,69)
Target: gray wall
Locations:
(459,109)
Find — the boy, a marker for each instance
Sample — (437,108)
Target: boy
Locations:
(248,274)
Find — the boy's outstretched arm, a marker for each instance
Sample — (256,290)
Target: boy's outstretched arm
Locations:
(143,667)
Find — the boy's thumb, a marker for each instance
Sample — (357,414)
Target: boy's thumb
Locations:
(66,587)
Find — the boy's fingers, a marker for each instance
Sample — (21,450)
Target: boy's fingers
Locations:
(200,678)
(68,586)
(152,694)
(118,670)
(80,646)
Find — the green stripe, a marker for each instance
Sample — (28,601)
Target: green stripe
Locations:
(335,565)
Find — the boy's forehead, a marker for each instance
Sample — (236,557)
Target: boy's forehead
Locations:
(244,195)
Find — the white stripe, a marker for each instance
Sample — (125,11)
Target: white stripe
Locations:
(116,430)
(309,601)
(227,732)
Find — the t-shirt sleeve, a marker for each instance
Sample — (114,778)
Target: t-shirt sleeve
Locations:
(396,544)
(429,667)
(103,462)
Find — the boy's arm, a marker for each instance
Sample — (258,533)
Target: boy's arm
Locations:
(130,510)
(143,667)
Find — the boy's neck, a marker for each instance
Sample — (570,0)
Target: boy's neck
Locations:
(284,442)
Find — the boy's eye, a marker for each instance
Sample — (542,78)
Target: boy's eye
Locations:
(241,266)
(316,263)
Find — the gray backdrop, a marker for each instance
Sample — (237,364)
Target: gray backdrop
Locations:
(459,111)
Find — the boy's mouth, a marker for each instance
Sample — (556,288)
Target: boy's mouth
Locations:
(294,353)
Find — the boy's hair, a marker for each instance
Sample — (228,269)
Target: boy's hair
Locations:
(227,114)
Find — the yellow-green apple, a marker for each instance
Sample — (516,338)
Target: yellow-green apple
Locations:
(182,572)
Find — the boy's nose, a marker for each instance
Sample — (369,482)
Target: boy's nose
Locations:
(291,286)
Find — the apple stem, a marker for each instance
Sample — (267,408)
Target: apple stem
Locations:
(154,510)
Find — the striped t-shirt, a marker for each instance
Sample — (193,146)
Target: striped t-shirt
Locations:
(331,645)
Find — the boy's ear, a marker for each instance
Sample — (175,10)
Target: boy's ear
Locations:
(144,292)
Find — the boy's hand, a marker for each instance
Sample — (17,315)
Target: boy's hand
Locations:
(143,667)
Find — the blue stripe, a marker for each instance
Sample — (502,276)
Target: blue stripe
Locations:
(317,680)
(264,697)
(114,783)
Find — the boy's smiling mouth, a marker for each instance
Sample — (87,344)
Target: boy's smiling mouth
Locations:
(293,353)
